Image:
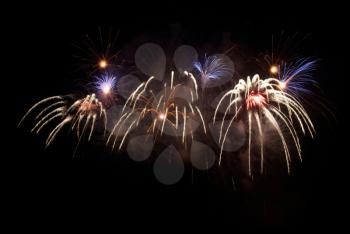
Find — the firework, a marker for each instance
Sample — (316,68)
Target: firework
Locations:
(213,68)
(84,112)
(97,51)
(105,84)
(261,101)
(274,69)
(103,64)
(296,77)
(161,111)
(165,107)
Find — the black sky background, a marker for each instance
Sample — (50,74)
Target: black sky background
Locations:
(48,187)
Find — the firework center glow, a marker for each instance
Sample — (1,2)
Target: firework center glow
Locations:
(282,84)
(161,116)
(103,64)
(274,69)
(106,88)
(255,99)
(106,84)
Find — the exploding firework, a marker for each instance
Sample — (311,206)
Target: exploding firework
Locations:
(164,111)
(296,77)
(83,111)
(265,101)
(98,52)
(213,68)
(104,86)
(274,69)
(161,108)
(103,64)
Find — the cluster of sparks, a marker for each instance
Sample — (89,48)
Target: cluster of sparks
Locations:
(83,111)
(105,84)
(258,101)
(213,68)
(264,100)
(162,109)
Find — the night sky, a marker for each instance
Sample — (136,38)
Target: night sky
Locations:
(48,186)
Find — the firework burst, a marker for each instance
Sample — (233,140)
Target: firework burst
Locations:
(98,51)
(167,109)
(213,68)
(84,112)
(105,84)
(162,111)
(105,88)
(296,77)
(261,101)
